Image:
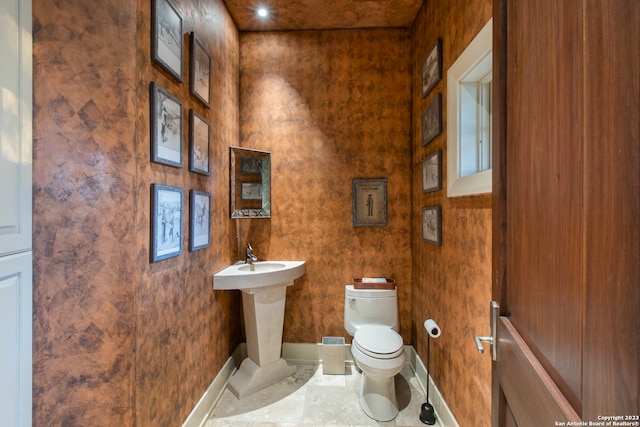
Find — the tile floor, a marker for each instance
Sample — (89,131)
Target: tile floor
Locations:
(309,398)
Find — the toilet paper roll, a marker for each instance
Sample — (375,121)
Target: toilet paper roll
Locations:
(432,328)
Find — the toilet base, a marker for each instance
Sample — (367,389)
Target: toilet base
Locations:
(378,397)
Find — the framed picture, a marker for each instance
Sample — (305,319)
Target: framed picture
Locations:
(369,202)
(432,120)
(432,225)
(198,144)
(166,37)
(432,172)
(251,191)
(199,223)
(166,222)
(166,127)
(200,78)
(432,68)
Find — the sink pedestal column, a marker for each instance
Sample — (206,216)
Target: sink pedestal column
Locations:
(263,318)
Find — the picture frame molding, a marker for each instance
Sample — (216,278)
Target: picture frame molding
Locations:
(429,163)
(376,206)
(158,128)
(159,54)
(432,68)
(194,243)
(194,119)
(432,233)
(160,251)
(197,47)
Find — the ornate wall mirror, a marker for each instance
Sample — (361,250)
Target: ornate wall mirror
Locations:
(250,183)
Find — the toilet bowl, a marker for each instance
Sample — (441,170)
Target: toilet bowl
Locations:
(371,317)
(379,353)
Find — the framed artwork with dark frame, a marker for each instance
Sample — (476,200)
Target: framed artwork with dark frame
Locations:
(200,71)
(432,68)
(166,127)
(369,202)
(432,172)
(166,37)
(199,140)
(432,225)
(166,222)
(432,120)
(200,220)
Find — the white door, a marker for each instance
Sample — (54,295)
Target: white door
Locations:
(15,213)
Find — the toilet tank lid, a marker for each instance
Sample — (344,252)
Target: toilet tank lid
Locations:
(369,293)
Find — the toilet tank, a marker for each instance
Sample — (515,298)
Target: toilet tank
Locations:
(370,307)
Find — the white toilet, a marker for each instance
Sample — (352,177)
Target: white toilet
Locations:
(371,317)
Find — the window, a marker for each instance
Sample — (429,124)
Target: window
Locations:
(469,132)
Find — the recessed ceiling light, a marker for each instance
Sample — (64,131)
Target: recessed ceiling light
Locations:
(263,12)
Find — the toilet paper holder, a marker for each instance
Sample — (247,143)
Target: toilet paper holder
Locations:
(494,310)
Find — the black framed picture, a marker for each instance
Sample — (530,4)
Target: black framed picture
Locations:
(166,127)
(432,225)
(166,221)
(166,37)
(432,120)
(200,71)
(199,139)
(432,68)
(432,172)
(200,221)
(369,202)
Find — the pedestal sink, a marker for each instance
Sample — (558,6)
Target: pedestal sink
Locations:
(264,288)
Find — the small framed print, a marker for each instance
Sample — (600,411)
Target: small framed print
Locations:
(369,202)
(432,172)
(251,191)
(166,127)
(432,120)
(432,225)
(432,68)
(166,222)
(200,78)
(166,37)
(199,136)
(200,220)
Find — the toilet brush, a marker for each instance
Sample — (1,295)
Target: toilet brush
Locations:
(427,413)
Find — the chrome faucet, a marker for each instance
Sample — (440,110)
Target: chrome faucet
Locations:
(251,258)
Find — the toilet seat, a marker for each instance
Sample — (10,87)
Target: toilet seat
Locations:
(378,341)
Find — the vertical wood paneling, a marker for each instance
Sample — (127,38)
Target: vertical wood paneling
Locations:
(544,170)
(612,205)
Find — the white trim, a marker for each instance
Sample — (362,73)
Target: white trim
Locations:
(444,415)
(478,49)
(301,353)
(200,413)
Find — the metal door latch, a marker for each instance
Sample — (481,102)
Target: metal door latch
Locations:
(494,310)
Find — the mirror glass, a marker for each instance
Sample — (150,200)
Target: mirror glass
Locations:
(250,183)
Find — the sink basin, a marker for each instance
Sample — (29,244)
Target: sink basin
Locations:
(266,273)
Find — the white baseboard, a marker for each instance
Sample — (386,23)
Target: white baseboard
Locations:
(297,353)
(443,413)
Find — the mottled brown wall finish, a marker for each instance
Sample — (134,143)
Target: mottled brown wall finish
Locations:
(452,283)
(117,340)
(330,106)
(84,197)
(185,331)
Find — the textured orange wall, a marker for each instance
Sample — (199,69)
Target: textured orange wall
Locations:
(452,283)
(117,340)
(330,106)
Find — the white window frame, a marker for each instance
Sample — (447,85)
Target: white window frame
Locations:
(471,66)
